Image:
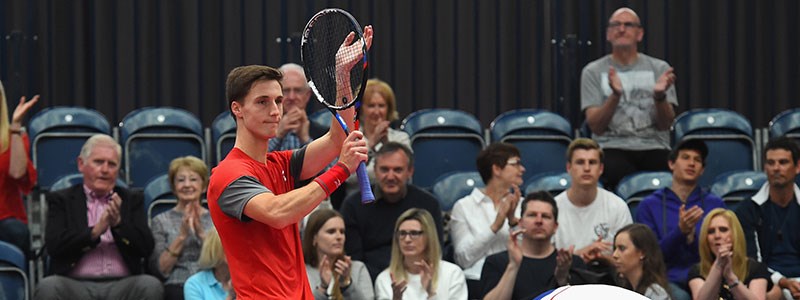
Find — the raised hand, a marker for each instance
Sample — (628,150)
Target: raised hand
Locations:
(113,209)
(325,273)
(398,288)
(687,219)
(342,269)
(563,263)
(378,133)
(22,108)
(344,60)
(514,250)
(595,250)
(614,82)
(426,276)
(514,200)
(663,83)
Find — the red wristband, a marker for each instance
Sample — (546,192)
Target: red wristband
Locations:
(333,178)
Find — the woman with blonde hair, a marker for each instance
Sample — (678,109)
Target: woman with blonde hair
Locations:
(214,281)
(378,111)
(416,270)
(179,232)
(331,273)
(17,175)
(725,271)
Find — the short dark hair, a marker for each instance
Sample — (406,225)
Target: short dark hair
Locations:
(392,147)
(542,196)
(494,154)
(784,143)
(690,144)
(241,79)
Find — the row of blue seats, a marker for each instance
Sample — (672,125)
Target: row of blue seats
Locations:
(153,136)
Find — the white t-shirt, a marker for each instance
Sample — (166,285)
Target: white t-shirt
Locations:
(580,226)
(450,285)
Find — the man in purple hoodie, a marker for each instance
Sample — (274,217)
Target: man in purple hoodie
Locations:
(675,213)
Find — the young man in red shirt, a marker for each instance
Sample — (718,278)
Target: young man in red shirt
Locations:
(256,198)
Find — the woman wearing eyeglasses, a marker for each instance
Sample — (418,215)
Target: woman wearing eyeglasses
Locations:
(480,222)
(416,270)
(331,273)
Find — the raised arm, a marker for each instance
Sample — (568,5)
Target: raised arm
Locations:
(18,163)
(281,210)
(323,150)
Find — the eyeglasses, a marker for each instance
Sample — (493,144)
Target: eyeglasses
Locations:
(413,234)
(297,90)
(514,162)
(628,25)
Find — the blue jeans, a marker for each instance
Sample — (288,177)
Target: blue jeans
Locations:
(15,232)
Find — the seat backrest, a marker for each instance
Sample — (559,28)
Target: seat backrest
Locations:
(322,118)
(13,273)
(786,123)
(158,189)
(57,135)
(223,135)
(734,187)
(453,186)
(634,187)
(712,122)
(529,123)
(443,141)
(152,137)
(542,138)
(441,121)
(641,184)
(552,182)
(728,135)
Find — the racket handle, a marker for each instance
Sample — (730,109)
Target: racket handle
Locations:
(363,180)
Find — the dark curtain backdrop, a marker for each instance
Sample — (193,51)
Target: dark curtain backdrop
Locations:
(481,56)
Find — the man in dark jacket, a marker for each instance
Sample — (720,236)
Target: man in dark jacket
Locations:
(97,234)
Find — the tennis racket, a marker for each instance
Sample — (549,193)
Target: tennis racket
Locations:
(325,42)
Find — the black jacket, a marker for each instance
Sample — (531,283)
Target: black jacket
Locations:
(68,235)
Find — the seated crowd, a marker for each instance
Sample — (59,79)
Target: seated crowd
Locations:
(686,245)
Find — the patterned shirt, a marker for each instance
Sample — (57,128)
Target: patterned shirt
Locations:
(104,260)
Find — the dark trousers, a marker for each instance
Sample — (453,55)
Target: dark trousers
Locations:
(618,163)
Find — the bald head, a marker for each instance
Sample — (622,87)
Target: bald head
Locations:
(624,10)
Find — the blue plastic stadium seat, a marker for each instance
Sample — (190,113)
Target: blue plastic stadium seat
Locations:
(786,123)
(321,118)
(541,136)
(552,182)
(734,187)
(634,187)
(57,135)
(728,135)
(158,196)
(453,186)
(13,273)
(153,136)
(443,140)
(223,135)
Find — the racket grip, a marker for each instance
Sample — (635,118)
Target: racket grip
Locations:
(363,180)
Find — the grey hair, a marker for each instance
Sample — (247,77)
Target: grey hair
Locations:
(293,67)
(627,10)
(99,140)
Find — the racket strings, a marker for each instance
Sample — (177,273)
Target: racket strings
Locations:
(322,53)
